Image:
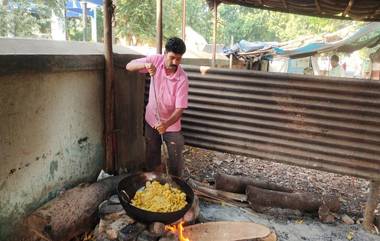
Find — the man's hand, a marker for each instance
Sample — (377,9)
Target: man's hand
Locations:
(161,127)
(151,68)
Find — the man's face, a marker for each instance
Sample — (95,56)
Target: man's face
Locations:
(172,60)
(334,63)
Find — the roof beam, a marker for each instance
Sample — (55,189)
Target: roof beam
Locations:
(318,6)
(348,8)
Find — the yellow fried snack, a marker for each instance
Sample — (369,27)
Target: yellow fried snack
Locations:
(156,197)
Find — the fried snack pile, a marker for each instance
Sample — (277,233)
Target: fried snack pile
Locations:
(156,197)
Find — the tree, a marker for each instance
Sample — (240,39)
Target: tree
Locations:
(199,17)
(263,25)
(135,18)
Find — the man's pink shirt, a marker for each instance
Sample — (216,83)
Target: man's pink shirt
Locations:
(172,92)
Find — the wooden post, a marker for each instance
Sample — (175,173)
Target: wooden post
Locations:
(109,77)
(184,20)
(214,34)
(231,56)
(372,202)
(84,5)
(159,26)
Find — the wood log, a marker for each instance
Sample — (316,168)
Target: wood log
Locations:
(238,184)
(306,201)
(226,231)
(70,214)
(228,196)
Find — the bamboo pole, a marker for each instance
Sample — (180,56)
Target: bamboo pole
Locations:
(159,26)
(214,34)
(109,78)
(183,20)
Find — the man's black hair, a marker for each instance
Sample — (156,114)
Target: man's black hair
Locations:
(175,45)
(335,58)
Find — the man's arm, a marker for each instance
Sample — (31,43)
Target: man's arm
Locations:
(135,66)
(138,66)
(162,126)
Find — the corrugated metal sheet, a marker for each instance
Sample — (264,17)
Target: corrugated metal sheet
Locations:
(365,10)
(325,124)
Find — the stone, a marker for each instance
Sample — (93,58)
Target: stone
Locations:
(324,214)
(217,162)
(119,224)
(111,234)
(347,220)
(359,221)
(102,237)
(157,228)
(193,213)
(107,207)
(115,216)
(377,221)
(102,226)
(130,232)
(114,199)
(169,237)
(146,236)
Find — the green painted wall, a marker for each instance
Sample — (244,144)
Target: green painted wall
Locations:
(51,137)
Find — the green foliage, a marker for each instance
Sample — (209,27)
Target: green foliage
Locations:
(135,18)
(18,21)
(262,25)
(199,17)
(138,18)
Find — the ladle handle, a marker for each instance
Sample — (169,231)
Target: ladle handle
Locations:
(125,194)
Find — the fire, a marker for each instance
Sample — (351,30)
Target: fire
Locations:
(178,229)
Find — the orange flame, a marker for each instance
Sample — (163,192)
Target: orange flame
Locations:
(178,229)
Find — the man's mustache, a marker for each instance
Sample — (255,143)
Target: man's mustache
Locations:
(173,66)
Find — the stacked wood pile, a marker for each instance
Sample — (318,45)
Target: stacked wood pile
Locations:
(260,195)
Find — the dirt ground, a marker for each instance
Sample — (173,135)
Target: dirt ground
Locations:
(203,164)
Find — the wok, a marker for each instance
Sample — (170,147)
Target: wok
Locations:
(128,186)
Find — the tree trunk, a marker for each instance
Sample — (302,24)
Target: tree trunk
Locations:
(308,202)
(70,214)
(238,184)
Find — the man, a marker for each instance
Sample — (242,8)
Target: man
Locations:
(336,69)
(171,86)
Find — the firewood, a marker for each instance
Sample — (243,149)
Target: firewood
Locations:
(70,214)
(229,196)
(306,201)
(225,231)
(238,184)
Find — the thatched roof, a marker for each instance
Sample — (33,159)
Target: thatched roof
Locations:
(364,10)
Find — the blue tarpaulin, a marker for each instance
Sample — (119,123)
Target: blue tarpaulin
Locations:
(74,8)
(367,36)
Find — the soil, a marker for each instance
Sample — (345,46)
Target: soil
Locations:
(202,165)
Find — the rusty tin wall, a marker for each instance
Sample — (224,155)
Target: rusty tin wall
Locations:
(326,124)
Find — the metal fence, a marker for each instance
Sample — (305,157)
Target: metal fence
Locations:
(327,124)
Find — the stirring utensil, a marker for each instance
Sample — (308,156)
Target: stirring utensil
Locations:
(166,151)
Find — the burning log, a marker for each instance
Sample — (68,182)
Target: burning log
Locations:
(308,202)
(238,184)
(70,214)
